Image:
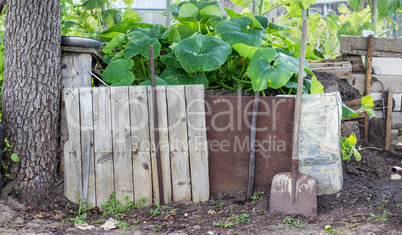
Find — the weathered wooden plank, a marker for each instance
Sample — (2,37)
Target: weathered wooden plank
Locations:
(103,144)
(355,60)
(73,75)
(87,149)
(383,47)
(163,144)
(339,69)
(141,151)
(123,165)
(178,143)
(72,147)
(198,149)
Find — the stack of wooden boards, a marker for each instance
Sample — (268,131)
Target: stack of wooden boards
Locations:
(387,73)
(111,144)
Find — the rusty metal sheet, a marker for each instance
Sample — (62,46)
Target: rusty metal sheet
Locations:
(228,122)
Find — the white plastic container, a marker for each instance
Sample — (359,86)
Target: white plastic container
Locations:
(320,133)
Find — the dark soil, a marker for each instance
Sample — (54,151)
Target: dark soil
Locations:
(369,203)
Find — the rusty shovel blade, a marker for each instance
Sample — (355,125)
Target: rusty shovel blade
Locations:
(283,201)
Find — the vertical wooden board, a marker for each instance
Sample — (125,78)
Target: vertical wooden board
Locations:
(197,139)
(163,141)
(87,143)
(103,144)
(75,68)
(140,143)
(123,165)
(72,147)
(178,145)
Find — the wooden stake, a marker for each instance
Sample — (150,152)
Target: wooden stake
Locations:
(389,120)
(370,47)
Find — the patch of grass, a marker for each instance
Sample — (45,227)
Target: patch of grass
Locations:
(381,217)
(159,209)
(158,227)
(294,223)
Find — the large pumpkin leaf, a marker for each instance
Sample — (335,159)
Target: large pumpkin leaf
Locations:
(141,46)
(175,76)
(170,60)
(93,4)
(237,30)
(175,9)
(158,81)
(119,71)
(316,86)
(202,53)
(241,3)
(244,50)
(117,41)
(112,17)
(188,10)
(156,31)
(264,75)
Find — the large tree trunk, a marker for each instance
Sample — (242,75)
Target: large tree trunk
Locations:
(31,94)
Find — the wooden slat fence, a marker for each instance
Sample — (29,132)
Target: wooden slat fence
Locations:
(111,144)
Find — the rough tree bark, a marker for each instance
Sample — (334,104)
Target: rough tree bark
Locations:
(31,95)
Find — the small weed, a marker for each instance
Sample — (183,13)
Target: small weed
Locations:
(122,224)
(368,198)
(158,227)
(280,226)
(380,218)
(243,218)
(294,223)
(397,206)
(160,209)
(259,194)
(224,224)
(231,207)
(219,204)
(312,233)
(333,231)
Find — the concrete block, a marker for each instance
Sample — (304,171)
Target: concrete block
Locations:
(331,89)
(387,66)
(358,81)
(394,138)
(319,149)
(383,47)
(396,120)
(349,127)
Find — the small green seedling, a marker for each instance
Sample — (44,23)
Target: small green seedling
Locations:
(219,204)
(224,224)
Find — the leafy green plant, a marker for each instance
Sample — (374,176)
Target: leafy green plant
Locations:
(80,217)
(219,204)
(157,228)
(243,218)
(294,223)
(4,164)
(224,224)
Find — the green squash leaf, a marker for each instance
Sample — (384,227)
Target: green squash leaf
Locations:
(117,41)
(141,46)
(347,112)
(244,50)
(188,10)
(202,53)
(112,17)
(241,3)
(355,4)
(128,2)
(333,22)
(118,71)
(316,86)
(170,60)
(93,4)
(158,81)
(368,102)
(260,69)
(237,30)
(231,13)
(175,76)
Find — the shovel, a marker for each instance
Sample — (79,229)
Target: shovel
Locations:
(293,192)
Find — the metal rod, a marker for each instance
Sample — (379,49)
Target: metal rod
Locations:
(370,47)
(374,15)
(168,16)
(94,75)
(156,125)
(251,167)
